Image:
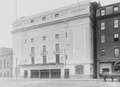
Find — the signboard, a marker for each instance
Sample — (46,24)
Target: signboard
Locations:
(79,69)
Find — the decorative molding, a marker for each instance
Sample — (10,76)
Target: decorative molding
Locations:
(52,23)
(108,15)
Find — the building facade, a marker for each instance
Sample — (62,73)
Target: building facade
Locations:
(6,55)
(55,44)
(108,42)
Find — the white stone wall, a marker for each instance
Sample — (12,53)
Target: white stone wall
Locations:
(77,44)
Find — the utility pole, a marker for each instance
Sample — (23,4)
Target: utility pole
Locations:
(65,62)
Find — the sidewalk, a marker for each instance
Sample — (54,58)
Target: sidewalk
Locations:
(38,79)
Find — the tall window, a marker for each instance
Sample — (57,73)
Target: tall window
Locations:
(102,25)
(102,12)
(44,38)
(116,37)
(116,25)
(4,64)
(56,36)
(32,49)
(116,8)
(57,47)
(116,52)
(66,35)
(7,64)
(57,58)
(44,59)
(102,53)
(102,38)
(44,48)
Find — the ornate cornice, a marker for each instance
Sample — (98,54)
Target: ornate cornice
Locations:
(108,15)
(51,23)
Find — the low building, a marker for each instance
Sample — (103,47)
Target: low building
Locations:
(6,55)
(55,44)
(108,41)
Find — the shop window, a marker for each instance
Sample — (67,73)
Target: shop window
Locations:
(105,70)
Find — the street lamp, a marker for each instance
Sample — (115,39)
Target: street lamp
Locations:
(65,61)
(65,27)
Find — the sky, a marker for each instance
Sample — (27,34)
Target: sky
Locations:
(27,8)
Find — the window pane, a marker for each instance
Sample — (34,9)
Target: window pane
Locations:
(102,12)
(56,15)
(32,39)
(116,52)
(102,38)
(102,53)
(115,23)
(57,36)
(44,38)
(32,49)
(116,37)
(44,48)
(116,8)
(57,47)
(102,25)
(44,18)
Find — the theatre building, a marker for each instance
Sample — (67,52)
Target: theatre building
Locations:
(108,42)
(55,44)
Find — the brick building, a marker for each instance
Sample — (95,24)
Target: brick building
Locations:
(108,41)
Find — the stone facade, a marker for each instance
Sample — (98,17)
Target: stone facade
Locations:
(6,55)
(55,44)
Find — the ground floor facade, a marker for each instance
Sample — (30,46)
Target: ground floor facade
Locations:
(108,67)
(59,71)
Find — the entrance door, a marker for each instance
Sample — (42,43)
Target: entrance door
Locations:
(55,73)
(34,73)
(66,73)
(44,73)
(25,73)
(57,58)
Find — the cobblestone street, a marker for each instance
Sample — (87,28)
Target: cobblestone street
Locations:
(55,83)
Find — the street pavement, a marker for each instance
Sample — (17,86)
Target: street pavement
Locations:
(55,83)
